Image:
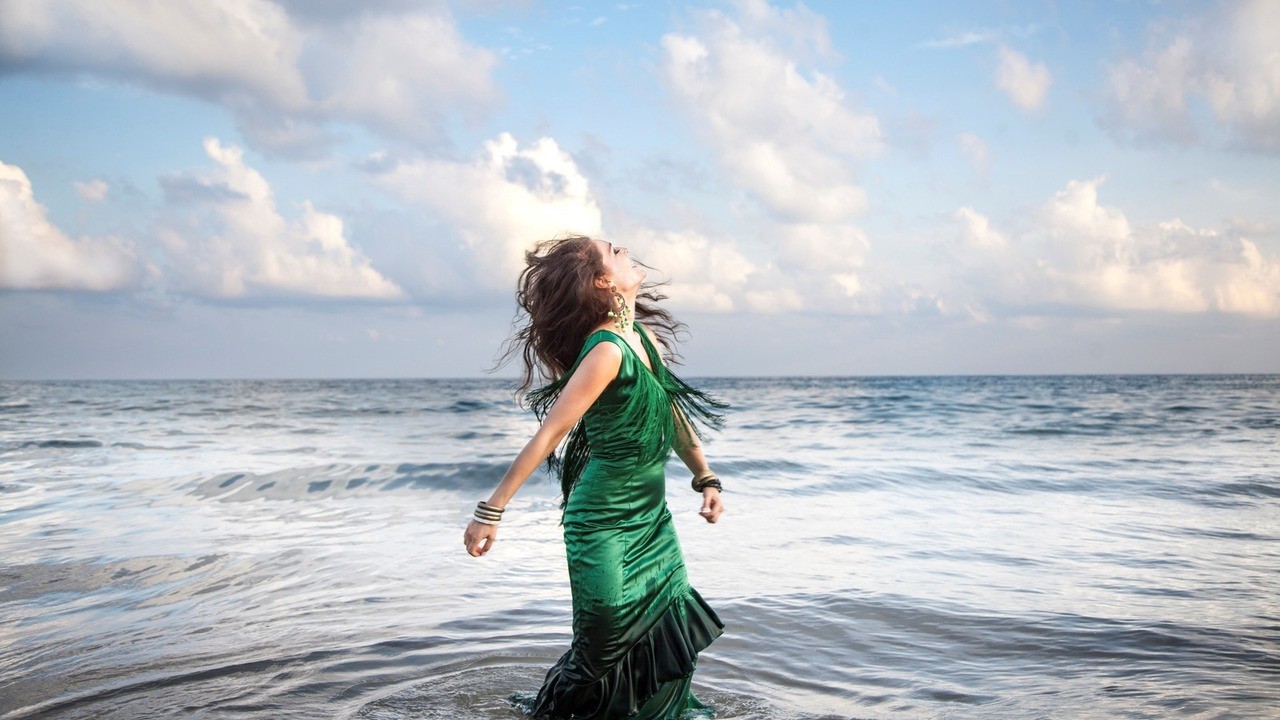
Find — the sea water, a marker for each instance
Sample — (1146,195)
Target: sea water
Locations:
(924,547)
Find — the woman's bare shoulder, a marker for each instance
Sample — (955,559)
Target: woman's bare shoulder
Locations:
(604,355)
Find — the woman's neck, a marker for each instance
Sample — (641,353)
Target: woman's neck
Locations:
(630,297)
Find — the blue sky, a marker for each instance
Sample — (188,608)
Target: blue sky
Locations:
(243,188)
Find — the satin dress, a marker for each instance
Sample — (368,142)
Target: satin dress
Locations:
(638,625)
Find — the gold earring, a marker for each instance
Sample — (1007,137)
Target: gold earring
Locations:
(621,313)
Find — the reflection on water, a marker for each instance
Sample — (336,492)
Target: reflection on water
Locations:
(906,547)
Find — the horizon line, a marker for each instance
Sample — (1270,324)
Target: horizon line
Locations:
(418,378)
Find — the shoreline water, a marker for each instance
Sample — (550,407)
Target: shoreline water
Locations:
(995,546)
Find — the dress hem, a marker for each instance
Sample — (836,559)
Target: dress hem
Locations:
(667,651)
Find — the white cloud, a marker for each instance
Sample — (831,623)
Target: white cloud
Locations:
(977,234)
(1025,83)
(1150,98)
(705,275)
(812,267)
(210,48)
(965,38)
(801,31)
(225,238)
(975,151)
(36,255)
(92,190)
(962,39)
(784,135)
(502,202)
(403,75)
(822,249)
(1227,58)
(512,196)
(1077,252)
(773,295)
(400,70)
(787,135)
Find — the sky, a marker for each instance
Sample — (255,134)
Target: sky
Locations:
(314,188)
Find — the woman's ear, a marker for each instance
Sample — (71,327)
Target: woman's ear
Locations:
(602,282)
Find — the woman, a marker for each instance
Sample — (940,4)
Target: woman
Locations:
(638,626)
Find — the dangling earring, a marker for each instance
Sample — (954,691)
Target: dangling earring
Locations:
(621,313)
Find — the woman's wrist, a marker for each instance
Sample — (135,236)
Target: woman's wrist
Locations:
(487,514)
(707,479)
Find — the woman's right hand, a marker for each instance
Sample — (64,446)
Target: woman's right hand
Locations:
(479,538)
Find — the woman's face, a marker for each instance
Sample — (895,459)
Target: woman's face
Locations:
(618,266)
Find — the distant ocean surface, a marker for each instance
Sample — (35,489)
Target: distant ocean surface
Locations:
(924,547)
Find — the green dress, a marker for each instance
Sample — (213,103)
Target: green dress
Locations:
(638,625)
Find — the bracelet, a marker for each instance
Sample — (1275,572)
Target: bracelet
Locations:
(487,514)
(706,480)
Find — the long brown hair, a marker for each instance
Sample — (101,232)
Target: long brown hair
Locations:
(560,305)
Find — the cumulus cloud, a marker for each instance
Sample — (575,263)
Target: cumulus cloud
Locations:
(1222,64)
(786,135)
(286,72)
(208,48)
(819,249)
(501,203)
(705,275)
(976,233)
(511,195)
(36,255)
(404,75)
(224,237)
(772,293)
(810,268)
(1025,83)
(1078,252)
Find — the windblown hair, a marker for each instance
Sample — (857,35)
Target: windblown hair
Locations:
(561,305)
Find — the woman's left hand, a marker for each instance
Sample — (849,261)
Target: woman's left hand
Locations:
(712,505)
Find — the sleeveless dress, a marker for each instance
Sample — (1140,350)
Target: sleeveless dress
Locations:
(638,625)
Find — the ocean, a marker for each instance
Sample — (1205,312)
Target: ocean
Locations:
(892,547)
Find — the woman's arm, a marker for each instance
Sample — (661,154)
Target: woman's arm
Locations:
(593,375)
(690,452)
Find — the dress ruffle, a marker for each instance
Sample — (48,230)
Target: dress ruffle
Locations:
(668,651)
